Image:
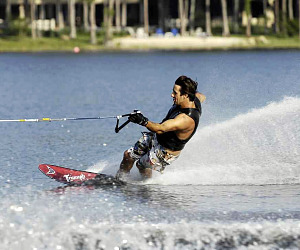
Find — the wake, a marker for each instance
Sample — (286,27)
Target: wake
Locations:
(257,148)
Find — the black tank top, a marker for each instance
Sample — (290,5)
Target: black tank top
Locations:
(170,140)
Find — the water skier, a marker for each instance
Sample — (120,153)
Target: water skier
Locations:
(162,145)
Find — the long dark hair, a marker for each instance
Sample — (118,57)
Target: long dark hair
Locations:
(188,86)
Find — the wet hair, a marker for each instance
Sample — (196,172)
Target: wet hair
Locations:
(188,86)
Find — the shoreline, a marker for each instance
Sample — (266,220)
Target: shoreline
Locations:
(129,44)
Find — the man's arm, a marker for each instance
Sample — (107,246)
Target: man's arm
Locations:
(200,96)
(179,123)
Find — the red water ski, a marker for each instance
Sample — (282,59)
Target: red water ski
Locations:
(77,177)
(66,175)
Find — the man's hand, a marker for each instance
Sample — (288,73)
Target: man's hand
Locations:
(138,118)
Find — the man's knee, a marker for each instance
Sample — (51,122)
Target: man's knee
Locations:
(127,156)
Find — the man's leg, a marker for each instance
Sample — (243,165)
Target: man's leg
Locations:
(131,155)
(145,172)
(126,165)
(127,162)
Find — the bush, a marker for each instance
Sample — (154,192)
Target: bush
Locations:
(292,27)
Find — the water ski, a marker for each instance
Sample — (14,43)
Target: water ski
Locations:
(77,177)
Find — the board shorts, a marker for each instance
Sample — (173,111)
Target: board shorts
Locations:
(150,154)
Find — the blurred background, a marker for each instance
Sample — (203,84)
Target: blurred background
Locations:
(92,24)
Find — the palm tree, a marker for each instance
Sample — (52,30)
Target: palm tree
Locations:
(276,10)
(41,16)
(284,21)
(108,21)
(86,15)
(183,10)
(33,23)
(208,18)
(226,31)
(249,17)
(42,11)
(265,14)
(59,15)
(118,15)
(236,16)
(72,17)
(161,13)
(192,15)
(93,22)
(124,13)
(146,17)
(8,11)
(291,10)
(299,17)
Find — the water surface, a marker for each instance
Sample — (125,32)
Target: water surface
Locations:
(236,183)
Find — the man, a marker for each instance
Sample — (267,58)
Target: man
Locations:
(160,147)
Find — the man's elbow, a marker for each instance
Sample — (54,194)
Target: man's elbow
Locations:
(161,129)
(201,97)
(159,132)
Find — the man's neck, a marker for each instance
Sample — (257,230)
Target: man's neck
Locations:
(187,104)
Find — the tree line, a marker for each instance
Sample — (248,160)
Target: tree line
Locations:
(115,16)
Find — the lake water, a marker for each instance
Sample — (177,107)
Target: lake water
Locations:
(236,184)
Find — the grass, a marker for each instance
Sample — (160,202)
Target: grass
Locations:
(64,43)
(281,43)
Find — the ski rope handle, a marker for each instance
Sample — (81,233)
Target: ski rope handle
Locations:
(118,128)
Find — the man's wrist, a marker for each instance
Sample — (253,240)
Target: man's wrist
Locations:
(145,122)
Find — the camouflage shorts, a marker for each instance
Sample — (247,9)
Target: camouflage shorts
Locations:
(150,154)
